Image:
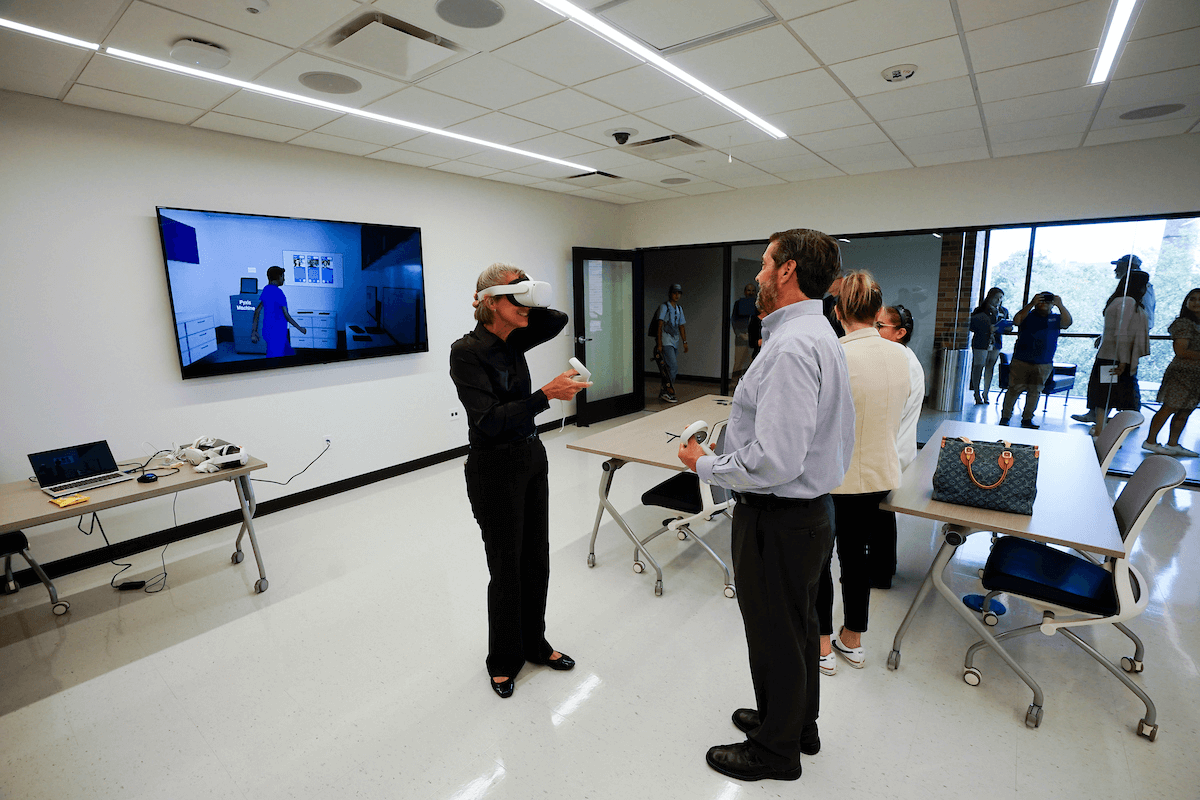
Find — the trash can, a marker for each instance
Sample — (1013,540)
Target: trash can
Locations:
(950,369)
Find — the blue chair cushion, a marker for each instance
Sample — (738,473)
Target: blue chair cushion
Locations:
(678,493)
(13,543)
(1032,569)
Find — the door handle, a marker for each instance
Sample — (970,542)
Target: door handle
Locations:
(581,340)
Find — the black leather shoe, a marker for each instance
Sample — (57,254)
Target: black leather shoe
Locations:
(503,688)
(742,762)
(563,662)
(747,719)
(1028,423)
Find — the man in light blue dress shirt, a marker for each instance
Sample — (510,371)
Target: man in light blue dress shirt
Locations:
(787,445)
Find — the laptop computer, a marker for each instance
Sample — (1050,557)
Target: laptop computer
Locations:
(75,469)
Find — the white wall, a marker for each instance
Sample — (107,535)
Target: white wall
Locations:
(88,340)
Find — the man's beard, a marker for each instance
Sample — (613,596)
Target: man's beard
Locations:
(767,297)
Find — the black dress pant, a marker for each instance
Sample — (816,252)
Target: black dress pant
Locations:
(509,491)
(859,521)
(778,556)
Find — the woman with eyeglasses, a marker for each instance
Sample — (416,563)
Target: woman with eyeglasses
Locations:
(987,323)
(879,384)
(896,323)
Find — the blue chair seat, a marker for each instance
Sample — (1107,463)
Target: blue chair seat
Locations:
(1032,569)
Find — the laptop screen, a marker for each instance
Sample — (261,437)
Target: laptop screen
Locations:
(72,463)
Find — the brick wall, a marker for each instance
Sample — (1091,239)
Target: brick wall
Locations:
(957,293)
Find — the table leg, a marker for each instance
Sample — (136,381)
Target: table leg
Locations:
(610,467)
(245,492)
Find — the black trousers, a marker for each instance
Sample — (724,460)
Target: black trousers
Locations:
(509,491)
(778,557)
(858,521)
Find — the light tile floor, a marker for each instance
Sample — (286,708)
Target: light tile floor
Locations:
(360,672)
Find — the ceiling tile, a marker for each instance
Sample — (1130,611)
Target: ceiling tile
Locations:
(1164,16)
(841,138)
(1070,29)
(563,109)
(1047,75)
(650,171)
(443,146)
(656,193)
(659,23)
(488,81)
(568,54)
(246,127)
(1044,145)
(520,20)
(596,131)
(627,188)
(500,160)
(1110,116)
(547,171)
(882,151)
(752,57)
(636,89)
(88,20)
(559,145)
(802,90)
(151,31)
(286,76)
(791,9)
(407,157)
(463,168)
(867,27)
(1147,130)
(750,181)
(128,104)
(35,66)
(415,104)
(689,115)
(819,118)
(879,165)
(812,173)
(555,186)
(500,128)
(731,134)
(610,159)
(712,165)
(1049,104)
(955,119)
(949,156)
(768,151)
(924,99)
(512,177)
(709,187)
(1167,52)
(337,144)
(105,72)
(597,194)
(944,142)
(288,23)
(936,61)
(369,130)
(983,13)
(264,108)
(1149,89)
(1040,128)
(779,166)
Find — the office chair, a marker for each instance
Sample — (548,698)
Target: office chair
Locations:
(691,500)
(1113,436)
(16,543)
(1085,591)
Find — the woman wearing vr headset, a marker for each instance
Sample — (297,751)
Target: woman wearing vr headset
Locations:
(506,470)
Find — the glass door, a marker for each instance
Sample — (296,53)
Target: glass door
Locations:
(608,332)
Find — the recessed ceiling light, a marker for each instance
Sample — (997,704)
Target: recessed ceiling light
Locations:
(675,181)
(1113,39)
(199,54)
(330,82)
(899,73)
(470,13)
(1150,112)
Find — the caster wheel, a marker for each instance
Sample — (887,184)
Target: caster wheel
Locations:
(1146,730)
(237,557)
(1129,665)
(979,572)
(730,591)
(11,587)
(639,567)
(61,607)
(893,661)
(1033,717)
(682,534)
(591,559)
(658,588)
(971,676)
(260,585)
(990,619)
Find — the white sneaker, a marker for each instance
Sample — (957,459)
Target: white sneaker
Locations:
(1155,447)
(1180,450)
(1088,417)
(855,656)
(829,664)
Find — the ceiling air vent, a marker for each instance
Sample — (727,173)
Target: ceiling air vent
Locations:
(592,179)
(665,147)
(393,48)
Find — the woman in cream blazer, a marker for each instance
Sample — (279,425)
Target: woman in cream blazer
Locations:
(879,383)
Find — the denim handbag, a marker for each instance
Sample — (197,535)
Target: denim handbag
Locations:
(995,475)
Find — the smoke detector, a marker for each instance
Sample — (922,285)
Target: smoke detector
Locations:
(899,73)
(196,53)
(255,6)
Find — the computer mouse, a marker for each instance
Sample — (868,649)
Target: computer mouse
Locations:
(149,477)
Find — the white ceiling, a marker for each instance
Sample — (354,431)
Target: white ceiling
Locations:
(993,79)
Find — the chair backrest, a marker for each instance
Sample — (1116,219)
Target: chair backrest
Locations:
(1150,481)
(1115,430)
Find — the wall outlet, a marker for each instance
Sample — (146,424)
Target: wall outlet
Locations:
(328,440)
(453,413)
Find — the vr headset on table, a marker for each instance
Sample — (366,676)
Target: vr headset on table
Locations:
(523,292)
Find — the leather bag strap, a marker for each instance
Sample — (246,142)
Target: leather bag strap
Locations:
(1005,460)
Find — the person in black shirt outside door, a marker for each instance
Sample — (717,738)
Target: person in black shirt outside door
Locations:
(506,469)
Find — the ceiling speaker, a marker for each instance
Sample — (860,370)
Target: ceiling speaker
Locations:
(470,13)
(196,53)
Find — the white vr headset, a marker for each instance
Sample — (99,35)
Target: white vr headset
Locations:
(524,292)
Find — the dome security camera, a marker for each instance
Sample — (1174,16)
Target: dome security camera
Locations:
(621,135)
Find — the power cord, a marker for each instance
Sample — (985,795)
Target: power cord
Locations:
(298,474)
(158,582)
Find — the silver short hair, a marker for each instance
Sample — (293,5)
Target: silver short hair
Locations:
(493,276)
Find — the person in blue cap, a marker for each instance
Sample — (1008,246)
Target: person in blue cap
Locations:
(672,331)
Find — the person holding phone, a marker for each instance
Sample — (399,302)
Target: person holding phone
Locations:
(1033,355)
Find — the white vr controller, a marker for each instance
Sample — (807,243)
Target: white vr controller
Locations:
(698,430)
(527,293)
(584,375)
(207,454)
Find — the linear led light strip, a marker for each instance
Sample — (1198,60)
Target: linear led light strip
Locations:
(1112,40)
(295,98)
(637,50)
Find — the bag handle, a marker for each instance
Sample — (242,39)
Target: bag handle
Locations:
(1005,460)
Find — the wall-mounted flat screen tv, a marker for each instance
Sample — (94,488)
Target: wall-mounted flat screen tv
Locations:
(251,292)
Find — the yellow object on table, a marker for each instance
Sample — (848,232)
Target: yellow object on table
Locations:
(69,500)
